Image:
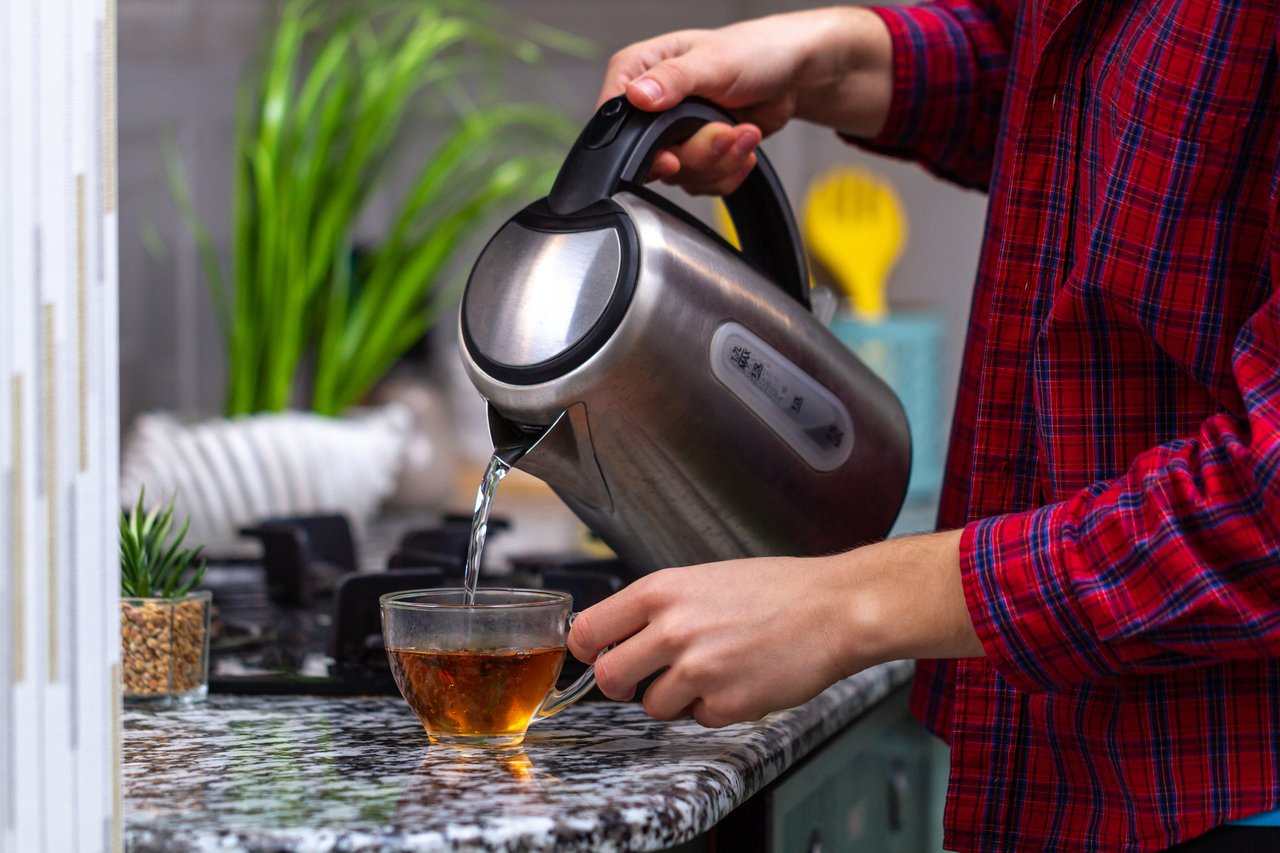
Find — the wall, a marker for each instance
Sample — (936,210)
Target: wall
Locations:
(179,64)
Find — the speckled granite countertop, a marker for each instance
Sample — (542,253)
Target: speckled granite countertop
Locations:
(359,776)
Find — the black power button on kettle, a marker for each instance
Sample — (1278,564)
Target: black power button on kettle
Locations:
(605,123)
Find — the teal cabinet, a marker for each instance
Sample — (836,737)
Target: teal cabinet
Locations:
(877,786)
(871,789)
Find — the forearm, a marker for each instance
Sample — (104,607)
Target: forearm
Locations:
(737,639)
(949,64)
(846,79)
(902,598)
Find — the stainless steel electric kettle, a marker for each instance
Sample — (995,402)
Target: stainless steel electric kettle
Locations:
(675,392)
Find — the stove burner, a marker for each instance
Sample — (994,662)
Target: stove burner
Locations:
(280,620)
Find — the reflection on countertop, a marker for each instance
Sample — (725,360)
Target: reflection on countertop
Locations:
(358,775)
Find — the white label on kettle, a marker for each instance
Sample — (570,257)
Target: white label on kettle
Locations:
(809,418)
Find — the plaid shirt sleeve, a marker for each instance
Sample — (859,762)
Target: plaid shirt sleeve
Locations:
(950,65)
(1176,564)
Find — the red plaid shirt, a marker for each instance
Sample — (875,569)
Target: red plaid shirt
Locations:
(1117,435)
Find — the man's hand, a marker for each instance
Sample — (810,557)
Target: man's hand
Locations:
(742,638)
(829,66)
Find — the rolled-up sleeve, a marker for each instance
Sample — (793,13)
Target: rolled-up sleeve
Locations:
(1175,564)
(950,66)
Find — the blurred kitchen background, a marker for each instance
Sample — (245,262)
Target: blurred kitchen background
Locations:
(180,65)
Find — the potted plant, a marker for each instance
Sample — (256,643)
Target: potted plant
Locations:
(164,623)
(328,128)
(320,128)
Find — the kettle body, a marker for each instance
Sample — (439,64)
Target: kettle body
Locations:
(682,403)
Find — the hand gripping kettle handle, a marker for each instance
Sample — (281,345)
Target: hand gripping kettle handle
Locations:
(618,146)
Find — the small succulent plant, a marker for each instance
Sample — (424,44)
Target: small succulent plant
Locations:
(149,569)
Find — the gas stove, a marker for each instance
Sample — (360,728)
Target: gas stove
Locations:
(303,619)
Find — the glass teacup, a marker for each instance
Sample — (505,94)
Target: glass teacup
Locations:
(479,674)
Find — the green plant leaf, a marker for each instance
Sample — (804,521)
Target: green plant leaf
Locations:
(321,120)
(147,567)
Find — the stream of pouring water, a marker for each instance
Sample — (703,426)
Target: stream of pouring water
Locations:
(480,522)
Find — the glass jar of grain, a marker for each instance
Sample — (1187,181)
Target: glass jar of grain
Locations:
(165,649)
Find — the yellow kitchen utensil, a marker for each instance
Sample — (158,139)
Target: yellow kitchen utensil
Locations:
(724,225)
(854,225)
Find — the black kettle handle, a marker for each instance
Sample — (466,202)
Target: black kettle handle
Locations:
(618,146)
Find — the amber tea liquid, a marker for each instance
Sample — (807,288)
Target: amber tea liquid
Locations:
(476,694)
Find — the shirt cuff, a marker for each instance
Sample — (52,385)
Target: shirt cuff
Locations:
(929,79)
(908,67)
(1017,572)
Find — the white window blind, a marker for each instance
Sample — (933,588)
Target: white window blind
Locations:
(59,570)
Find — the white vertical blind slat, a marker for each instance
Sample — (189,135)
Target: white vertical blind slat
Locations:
(59,583)
(7,829)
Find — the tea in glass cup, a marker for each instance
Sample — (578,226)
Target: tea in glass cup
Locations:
(479,674)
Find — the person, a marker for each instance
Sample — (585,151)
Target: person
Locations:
(1097,624)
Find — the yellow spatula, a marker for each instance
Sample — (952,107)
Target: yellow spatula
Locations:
(854,225)
(724,225)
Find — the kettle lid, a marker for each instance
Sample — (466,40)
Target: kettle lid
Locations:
(547,291)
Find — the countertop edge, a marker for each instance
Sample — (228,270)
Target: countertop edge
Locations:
(833,709)
(680,814)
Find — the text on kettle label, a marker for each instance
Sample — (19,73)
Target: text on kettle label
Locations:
(802,412)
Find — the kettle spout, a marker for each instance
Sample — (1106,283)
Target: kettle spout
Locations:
(511,441)
(560,454)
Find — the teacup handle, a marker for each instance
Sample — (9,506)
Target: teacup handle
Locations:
(558,700)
